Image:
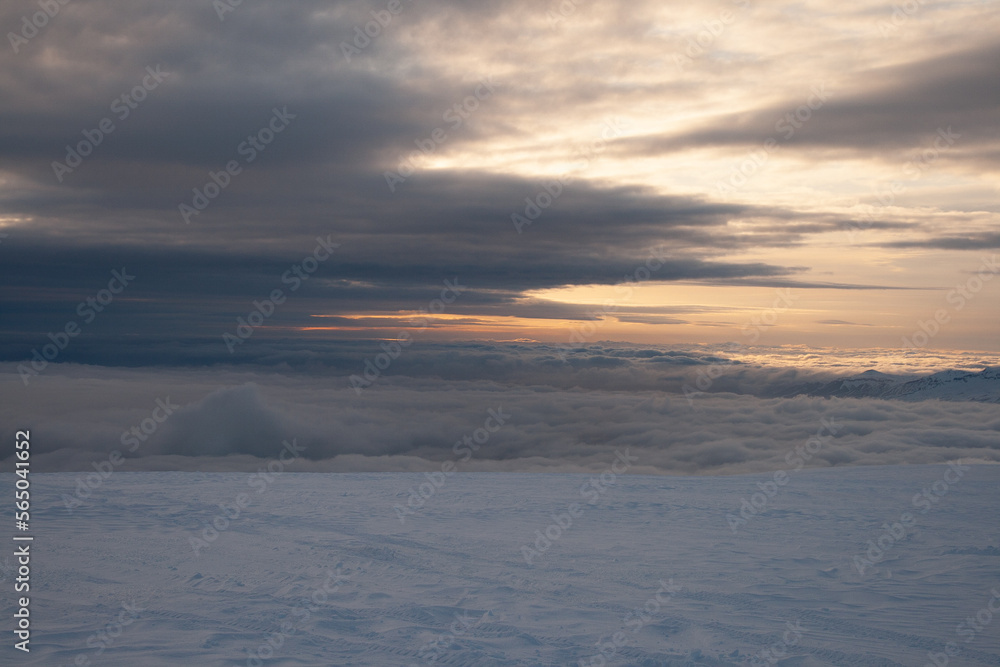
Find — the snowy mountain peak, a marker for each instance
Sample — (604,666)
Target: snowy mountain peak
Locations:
(950,385)
(872,373)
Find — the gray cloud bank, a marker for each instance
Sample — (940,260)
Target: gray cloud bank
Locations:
(323,174)
(557,416)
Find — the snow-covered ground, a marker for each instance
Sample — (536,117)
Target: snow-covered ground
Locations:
(950,385)
(319,569)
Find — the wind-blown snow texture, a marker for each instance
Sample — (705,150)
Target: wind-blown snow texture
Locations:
(784,581)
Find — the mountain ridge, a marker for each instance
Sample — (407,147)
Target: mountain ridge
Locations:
(949,385)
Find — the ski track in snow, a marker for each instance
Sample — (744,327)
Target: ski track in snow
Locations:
(404,585)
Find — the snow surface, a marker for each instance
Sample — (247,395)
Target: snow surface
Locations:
(950,385)
(399,586)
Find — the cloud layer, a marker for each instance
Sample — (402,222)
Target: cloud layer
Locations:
(641,128)
(557,416)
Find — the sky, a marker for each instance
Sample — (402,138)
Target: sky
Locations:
(840,160)
(273,186)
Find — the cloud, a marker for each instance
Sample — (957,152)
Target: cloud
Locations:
(891,108)
(615,200)
(842,323)
(231,420)
(193,284)
(562,416)
(973,241)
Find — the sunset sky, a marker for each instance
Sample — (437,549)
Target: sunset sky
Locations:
(830,169)
(364,224)
(497,253)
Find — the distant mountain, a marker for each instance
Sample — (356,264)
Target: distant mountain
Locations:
(983,386)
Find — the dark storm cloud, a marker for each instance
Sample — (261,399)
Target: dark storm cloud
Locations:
(393,254)
(321,177)
(898,108)
(806,284)
(221,83)
(221,80)
(556,365)
(979,241)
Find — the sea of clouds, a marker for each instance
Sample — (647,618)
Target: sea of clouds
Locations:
(680,411)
